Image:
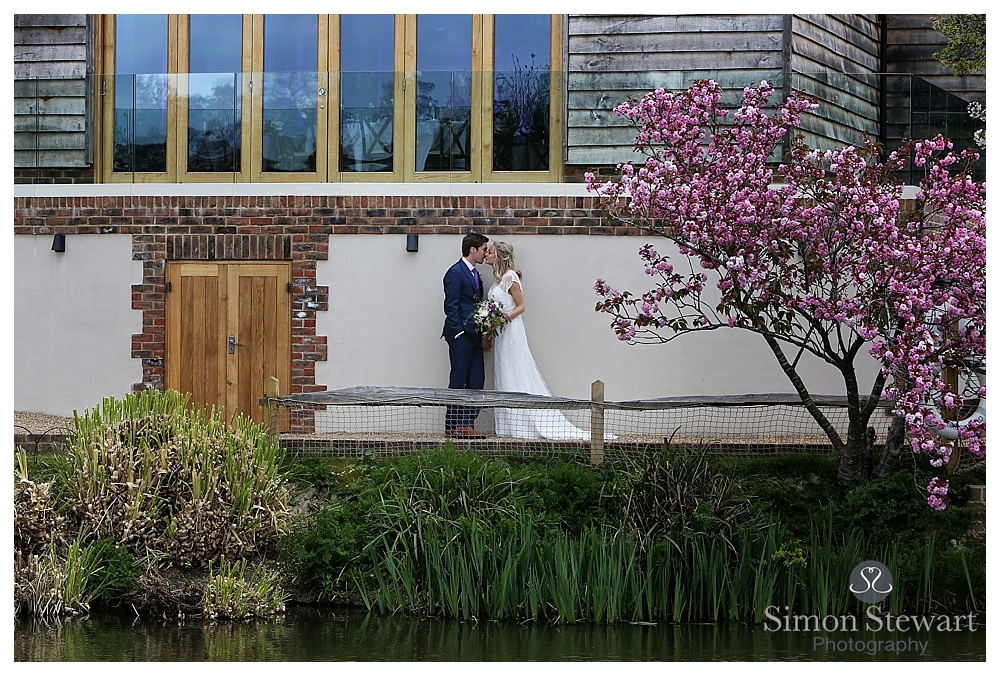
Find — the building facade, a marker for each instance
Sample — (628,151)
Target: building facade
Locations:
(235,191)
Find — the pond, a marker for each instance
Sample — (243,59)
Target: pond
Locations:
(330,635)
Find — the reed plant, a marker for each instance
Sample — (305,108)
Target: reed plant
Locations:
(52,585)
(230,593)
(667,490)
(37,522)
(608,575)
(925,586)
(159,476)
(454,536)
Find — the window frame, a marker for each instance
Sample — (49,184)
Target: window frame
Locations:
(328,109)
(323,140)
(474,174)
(554,173)
(107,93)
(398,105)
(181,134)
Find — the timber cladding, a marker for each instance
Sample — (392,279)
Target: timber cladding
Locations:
(283,228)
(53,98)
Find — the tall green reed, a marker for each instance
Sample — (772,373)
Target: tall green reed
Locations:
(158,475)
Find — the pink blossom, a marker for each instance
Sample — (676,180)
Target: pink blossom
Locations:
(936,503)
(827,263)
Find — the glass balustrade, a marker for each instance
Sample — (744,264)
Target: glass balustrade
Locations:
(371,124)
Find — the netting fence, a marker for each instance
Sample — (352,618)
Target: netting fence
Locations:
(398,420)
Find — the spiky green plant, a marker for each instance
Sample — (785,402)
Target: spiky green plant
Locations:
(231,594)
(50,585)
(159,476)
(36,520)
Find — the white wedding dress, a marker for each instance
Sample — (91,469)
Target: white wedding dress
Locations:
(514,370)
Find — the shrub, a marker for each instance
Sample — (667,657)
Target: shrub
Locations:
(51,585)
(790,486)
(664,491)
(230,594)
(318,551)
(118,571)
(159,477)
(893,506)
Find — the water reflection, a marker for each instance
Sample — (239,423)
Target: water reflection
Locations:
(310,634)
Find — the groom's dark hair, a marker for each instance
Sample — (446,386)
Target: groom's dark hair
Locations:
(473,241)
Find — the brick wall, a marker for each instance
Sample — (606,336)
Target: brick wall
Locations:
(576,173)
(28,175)
(294,228)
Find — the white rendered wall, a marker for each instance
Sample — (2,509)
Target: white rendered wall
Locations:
(386,314)
(73,322)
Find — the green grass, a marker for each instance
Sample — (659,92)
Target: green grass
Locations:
(661,537)
(456,534)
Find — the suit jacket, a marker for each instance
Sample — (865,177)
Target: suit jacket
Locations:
(460,297)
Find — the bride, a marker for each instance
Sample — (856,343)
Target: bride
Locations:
(514,368)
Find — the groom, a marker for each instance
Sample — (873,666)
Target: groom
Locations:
(462,290)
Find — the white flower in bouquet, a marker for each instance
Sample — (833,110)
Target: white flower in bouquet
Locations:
(490,318)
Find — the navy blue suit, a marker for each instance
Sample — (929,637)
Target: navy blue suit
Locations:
(461,293)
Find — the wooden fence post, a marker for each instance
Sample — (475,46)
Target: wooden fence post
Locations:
(271,406)
(596,423)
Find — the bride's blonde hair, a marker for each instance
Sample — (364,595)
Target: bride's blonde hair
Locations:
(504,261)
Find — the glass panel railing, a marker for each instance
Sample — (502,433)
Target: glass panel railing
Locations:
(443,119)
(214,122)
(203,123)
(367,108)
(289,137)
(890,107)
(932,111)
(521,99)
(140,123)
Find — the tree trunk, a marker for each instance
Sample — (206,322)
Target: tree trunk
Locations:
(866,455)
(893,448)
(856,456)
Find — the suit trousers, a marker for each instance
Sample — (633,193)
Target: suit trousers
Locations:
(467,373)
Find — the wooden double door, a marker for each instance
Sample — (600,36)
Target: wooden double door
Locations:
(228,327)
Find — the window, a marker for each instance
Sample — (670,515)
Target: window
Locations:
(436,97)
(521,92)
(212,120)
(290,88)
(367,92)
(140,94)
(443,110)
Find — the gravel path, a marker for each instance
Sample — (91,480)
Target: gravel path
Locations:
(39,423)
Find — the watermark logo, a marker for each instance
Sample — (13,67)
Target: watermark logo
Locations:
(870,582)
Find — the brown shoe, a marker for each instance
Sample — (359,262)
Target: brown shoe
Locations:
(467,433)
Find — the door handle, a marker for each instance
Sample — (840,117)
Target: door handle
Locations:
(233,344)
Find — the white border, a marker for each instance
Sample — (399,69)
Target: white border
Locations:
(304,189)
(317,189)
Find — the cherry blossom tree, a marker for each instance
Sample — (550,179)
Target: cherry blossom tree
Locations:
(816,256)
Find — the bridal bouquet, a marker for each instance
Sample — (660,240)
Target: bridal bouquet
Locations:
(490,318)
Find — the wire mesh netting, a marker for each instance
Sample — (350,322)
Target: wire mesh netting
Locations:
(398,420)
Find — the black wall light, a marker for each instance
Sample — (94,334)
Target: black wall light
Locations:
(59,243)
(411,242)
